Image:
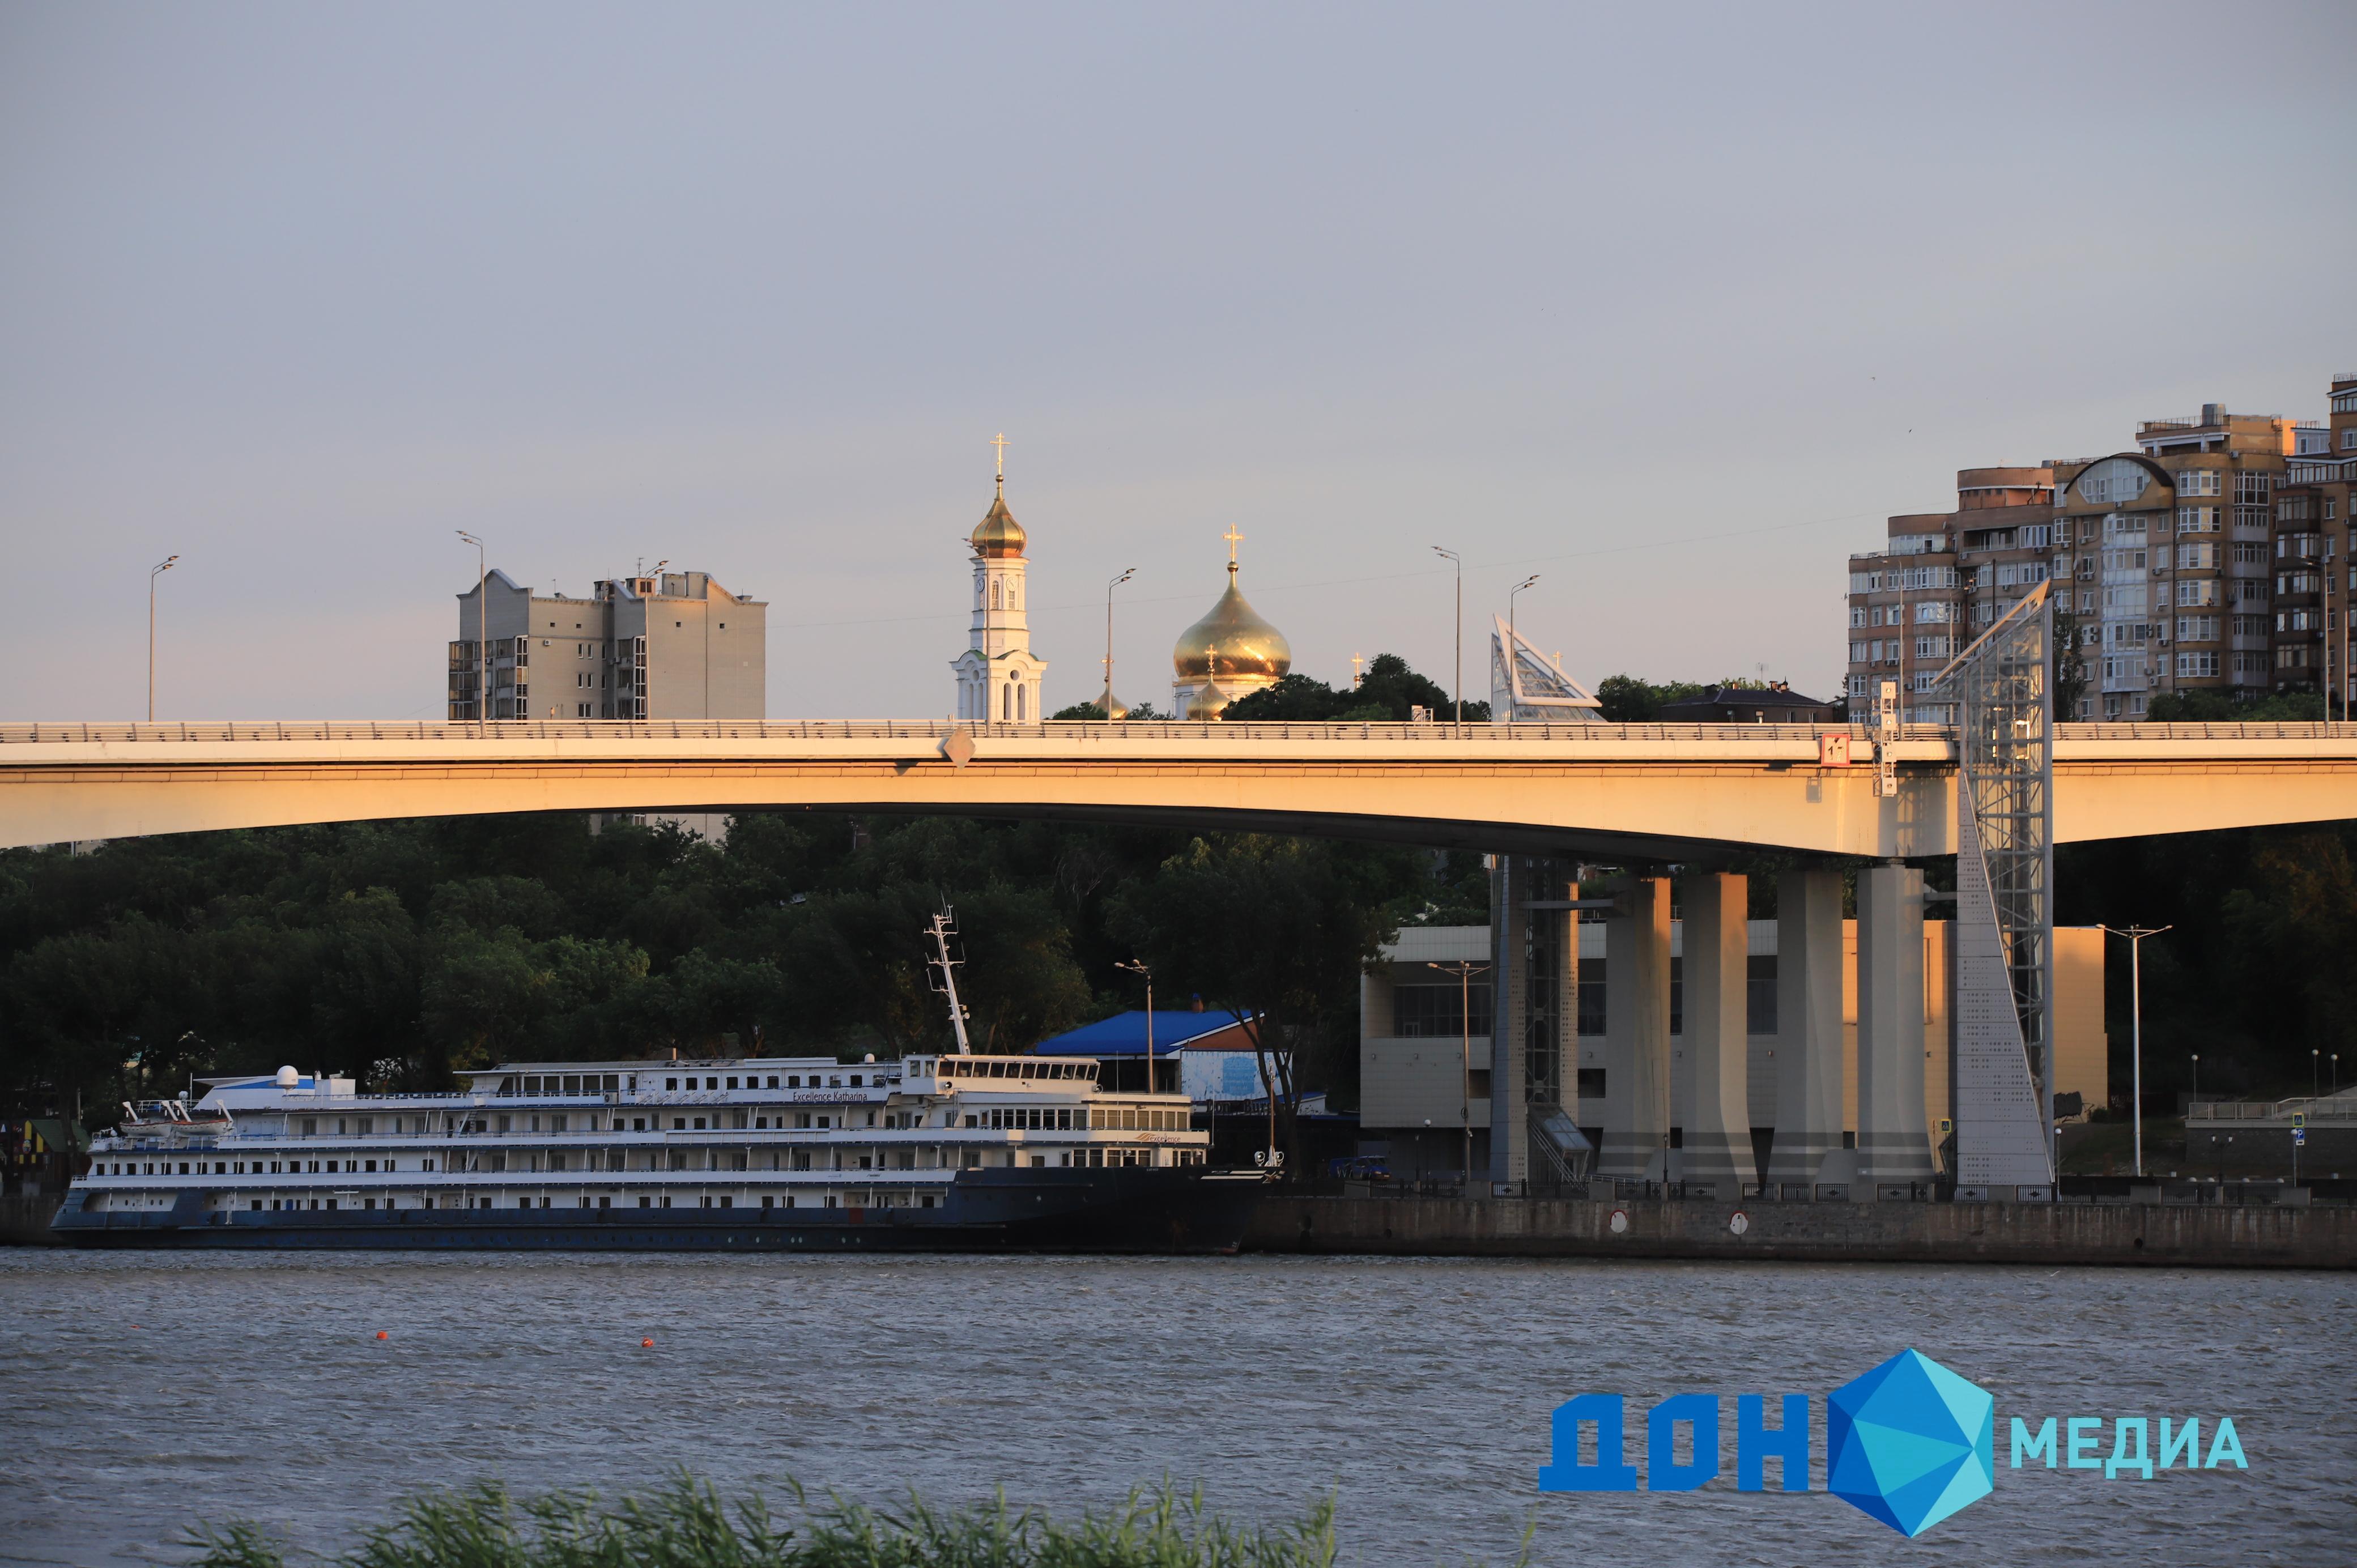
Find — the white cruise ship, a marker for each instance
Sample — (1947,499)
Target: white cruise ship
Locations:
(933,1152)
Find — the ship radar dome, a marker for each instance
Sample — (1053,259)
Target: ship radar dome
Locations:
(288,1077)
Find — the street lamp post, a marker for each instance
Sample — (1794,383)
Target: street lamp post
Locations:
(1117,583)
(153,573)
(2196,1097)
(2135,935)
(482,633)
(1458,562)
(1138,967)
(1465,970)
(1514,637)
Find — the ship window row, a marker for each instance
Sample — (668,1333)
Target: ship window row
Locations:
(564,1083)
(863,1199)
(252,1167)
(950,1069)
(1081,1119)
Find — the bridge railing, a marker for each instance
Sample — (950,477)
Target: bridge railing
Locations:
(218,731)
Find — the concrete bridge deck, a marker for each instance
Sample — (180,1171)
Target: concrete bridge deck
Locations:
(1646,791)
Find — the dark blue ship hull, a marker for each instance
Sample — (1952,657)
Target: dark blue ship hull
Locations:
(1015,1210)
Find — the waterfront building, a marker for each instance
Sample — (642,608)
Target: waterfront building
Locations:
(998,675)
(1216,1063)
(2314,572)
(1232,653)
(661,644)
(1419,1088)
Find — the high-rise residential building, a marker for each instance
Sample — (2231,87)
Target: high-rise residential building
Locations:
(2314,572)
(1939,577)
(2168,561)
(662,645)
(2171,559)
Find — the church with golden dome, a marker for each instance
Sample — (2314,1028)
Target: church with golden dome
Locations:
(998,678)
(1231,653)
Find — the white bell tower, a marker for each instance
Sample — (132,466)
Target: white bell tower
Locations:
(998,680)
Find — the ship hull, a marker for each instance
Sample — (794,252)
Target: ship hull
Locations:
(1115,1211)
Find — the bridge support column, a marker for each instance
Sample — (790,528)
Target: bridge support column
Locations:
(1534,965)
(1894,1143)
(1717,1135)
(1637,1035)
(1808,1028)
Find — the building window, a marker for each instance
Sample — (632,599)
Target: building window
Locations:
(2200,482)
(1438,1012)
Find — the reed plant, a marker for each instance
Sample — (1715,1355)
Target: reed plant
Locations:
(689,1525)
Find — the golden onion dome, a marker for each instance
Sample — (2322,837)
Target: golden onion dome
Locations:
(1232,641)
(999,536)
(1209,702)
(1108,704)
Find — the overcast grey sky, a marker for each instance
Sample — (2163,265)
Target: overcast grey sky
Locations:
(1669,304)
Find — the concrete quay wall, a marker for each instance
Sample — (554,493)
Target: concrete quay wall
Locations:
(2129,1234)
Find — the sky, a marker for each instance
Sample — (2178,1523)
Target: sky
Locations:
(1671,306)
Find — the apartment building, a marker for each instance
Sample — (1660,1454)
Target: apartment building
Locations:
(665,645)
(1942,576)
(2171,558)
(2314,572)
(2174,563)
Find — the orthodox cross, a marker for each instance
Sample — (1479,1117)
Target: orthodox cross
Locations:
(1000,441)
(1355,663)
(1233,538)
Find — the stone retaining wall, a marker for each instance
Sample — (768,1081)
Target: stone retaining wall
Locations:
(2177,1235)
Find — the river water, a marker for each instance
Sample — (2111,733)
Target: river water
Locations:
(144,1391)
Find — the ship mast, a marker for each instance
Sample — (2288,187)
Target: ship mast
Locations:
(941,930)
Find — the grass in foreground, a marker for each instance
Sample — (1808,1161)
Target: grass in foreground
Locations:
(690,1525)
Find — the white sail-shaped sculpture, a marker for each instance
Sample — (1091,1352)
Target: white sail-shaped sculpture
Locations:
(1533,688)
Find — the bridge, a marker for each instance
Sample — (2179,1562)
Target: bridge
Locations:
(1665,793)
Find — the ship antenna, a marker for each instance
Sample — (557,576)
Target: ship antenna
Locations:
(941,930)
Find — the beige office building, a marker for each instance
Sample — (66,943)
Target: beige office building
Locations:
(1420,1088)
(671,645)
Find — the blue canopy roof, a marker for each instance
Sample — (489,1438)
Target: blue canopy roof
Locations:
(1124,1034)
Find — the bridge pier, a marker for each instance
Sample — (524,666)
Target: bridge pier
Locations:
(1894,1141)
(1716,1132)
(1808,1027)
(1535,966)
(1637,1035)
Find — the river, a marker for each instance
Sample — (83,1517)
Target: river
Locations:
(144,1390)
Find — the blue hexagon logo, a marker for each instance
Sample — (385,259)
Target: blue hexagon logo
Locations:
(1910,1443)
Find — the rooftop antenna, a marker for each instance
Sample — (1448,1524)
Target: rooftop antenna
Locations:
(942,929)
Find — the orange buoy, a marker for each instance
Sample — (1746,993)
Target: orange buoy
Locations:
(382,1334)
(646,1344)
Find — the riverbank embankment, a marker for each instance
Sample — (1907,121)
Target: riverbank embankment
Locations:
(2175,1235)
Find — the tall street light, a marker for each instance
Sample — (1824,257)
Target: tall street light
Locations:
(1465,970)
(1138,967)
(1126,574)
(2135,935)
(1459,565)
(1513,640)
(482,635)
(153,573)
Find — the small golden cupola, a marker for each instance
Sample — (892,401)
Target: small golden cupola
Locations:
(1232,653)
